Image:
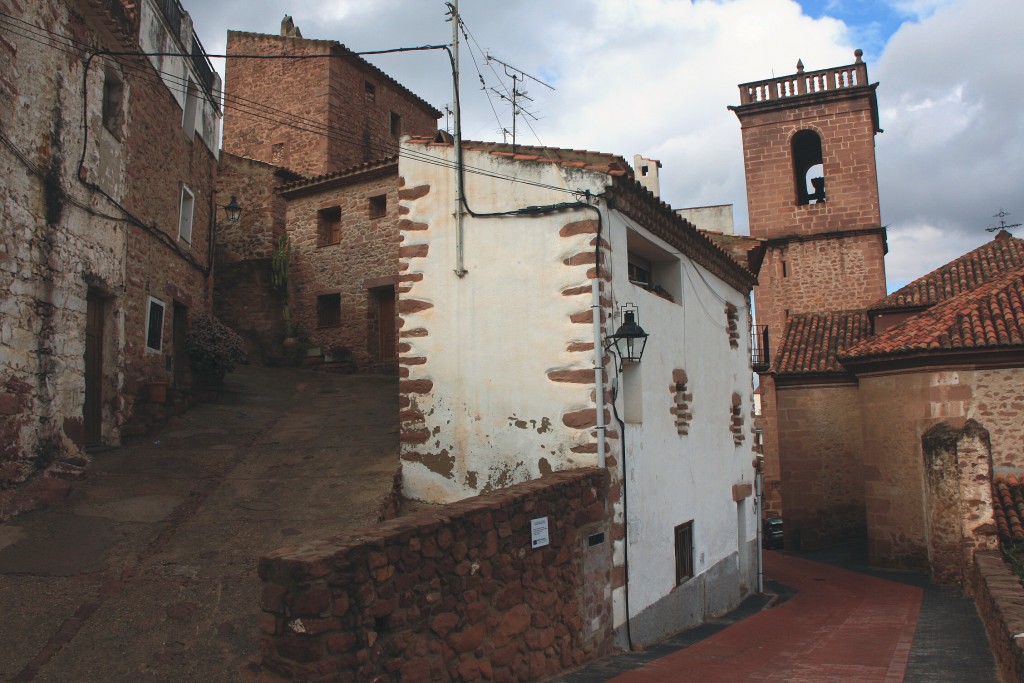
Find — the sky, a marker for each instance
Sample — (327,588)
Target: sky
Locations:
(655,77)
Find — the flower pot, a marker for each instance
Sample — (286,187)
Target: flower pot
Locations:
(156,391)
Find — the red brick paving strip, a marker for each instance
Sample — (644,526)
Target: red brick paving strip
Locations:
(840,626)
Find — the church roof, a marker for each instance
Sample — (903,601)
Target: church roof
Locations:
(812,341)
(990,316)
(962,274)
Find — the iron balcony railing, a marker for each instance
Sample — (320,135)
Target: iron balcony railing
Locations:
(760,354)
(173,13)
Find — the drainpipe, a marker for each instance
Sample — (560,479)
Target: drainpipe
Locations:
(595,307)
(758,484)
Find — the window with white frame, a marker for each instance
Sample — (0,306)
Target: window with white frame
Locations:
(155,325)
(188,205)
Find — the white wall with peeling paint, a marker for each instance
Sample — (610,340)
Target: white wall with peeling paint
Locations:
(492,417)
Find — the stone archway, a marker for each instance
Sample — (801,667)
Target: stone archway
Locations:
(958,498)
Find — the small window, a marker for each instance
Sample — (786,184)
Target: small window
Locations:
(155,325)
(191,112)
(328,310)
(378,206)
(328,226)
(188,202)
(645,171)
(371,91)
(396,123)
(113,92)
(684,552)
(639,271)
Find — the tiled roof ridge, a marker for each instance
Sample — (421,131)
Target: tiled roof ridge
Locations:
(1008,506)
(349,52)
(341,173)
(278,168)
(961,274)
(812,341)
(703,249)
(988,316)
(612,163)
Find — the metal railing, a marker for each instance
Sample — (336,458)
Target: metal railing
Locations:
(760,354)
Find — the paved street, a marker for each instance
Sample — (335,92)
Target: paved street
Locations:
(832,624)
(147,571)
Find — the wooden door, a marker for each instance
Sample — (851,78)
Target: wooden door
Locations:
(387,332)
(92,409)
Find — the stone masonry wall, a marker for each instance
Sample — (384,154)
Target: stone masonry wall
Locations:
(458,595)
(359,267)
(1000,601)
(330,92)
(94,214)
(998,404)
(821,458)
(847,137)
(821,275)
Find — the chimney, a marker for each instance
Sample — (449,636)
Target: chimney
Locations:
(646,171)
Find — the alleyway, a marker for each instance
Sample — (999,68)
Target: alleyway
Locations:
(834,625)
(147,571)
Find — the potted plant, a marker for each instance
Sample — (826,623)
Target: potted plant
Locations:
(156,391)
(213,349)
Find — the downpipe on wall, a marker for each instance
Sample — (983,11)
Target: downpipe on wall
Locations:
(595,307)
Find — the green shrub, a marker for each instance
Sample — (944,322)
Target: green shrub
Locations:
(213,348)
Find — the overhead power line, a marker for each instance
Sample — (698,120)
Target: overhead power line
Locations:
(256,109)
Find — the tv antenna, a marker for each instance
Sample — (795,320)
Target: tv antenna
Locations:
(516,95)
(1003,225)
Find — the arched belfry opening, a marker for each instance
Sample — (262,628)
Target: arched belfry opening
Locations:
(808,171)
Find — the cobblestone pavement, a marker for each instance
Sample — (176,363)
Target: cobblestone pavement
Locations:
(146,572)
(835,621)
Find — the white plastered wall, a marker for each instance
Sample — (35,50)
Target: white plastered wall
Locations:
(494,416)
(672,479)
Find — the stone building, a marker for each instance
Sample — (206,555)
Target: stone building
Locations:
(884,416)
(497,363)
(320,132)
(823,248)
(108,206)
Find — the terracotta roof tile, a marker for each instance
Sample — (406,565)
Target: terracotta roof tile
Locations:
(988,317)
(1008,507)
(812,341)
(971,270)
(343,173)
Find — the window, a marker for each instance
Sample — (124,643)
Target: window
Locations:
(328,310)
(396,123)
(113,92)
(188,202)
(378,206)
(328,226)
(807,168)
(191,112)
(653,268)
(371,91)
(684,552)
(155,325)
(639,271)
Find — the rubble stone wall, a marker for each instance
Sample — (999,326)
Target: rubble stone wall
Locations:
(453,595)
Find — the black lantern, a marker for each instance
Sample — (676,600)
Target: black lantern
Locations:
(233,210)
(629,340)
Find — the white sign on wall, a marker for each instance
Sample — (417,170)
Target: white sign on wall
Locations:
(539,529)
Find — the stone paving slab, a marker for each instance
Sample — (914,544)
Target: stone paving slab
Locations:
(147,571)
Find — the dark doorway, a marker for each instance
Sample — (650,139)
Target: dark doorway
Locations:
(386,331)
(92,409)
(180,328)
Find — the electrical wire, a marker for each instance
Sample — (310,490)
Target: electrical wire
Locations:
(265,112)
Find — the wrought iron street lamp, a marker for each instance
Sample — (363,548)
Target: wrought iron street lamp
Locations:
(630,339)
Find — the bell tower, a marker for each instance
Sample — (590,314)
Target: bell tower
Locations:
(812,191)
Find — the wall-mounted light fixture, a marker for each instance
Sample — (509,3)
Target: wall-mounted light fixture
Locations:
(630,339)
(233,210)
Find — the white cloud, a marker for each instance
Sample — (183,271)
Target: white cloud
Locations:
(655,76)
